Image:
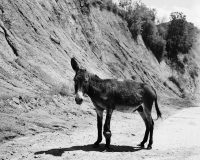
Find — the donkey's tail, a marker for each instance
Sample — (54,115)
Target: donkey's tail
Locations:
(159,114)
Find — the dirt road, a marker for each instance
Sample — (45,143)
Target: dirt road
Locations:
(177,137)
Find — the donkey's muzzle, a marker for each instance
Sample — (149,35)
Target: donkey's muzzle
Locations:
(78,100)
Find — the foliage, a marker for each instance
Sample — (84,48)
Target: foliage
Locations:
(137,15)
(84,6)
(122,13)
(135,28)
(193,73)
(176,82)
(178,65)
(95,2)
(153,40)
(125,3)
(180,35)
(157,46)
(163,29)
(141,20)
(109,5)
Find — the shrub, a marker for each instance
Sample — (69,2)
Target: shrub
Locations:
(109,5)
(141,20)
(162,30)
(122,13)
(193,73)
(94,3)
(136,15)
(178,65)
(125,3)
(115,9)
(175,81)
(85,7)
(102,6)
(152,40)
(181,35)
(135,29)
(157,46)
(165,84)
(149,28)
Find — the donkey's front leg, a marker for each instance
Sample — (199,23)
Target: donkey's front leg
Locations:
(107,132)
(99,126)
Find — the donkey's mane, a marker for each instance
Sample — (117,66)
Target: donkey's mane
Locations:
(95,84)
(95,78)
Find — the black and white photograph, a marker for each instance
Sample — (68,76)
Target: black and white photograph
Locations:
(99,80)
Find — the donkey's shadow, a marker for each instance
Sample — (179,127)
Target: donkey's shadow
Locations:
(88,148)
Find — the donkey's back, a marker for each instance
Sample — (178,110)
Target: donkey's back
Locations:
(127,94)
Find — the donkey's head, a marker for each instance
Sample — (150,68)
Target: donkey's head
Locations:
(81,81)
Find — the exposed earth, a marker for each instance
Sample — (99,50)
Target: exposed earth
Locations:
(176,136)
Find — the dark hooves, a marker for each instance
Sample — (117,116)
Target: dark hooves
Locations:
(149,147)
(96,145)
(141,145)
(107,149)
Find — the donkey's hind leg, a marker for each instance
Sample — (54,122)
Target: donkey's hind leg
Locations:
(151,134)
(141,112)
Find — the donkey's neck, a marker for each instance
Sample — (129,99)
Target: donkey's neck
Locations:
(95,86)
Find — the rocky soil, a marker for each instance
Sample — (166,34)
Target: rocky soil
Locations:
(175,137)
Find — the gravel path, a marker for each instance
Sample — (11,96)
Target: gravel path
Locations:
(174,138)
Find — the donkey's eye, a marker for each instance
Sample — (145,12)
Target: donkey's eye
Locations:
(85,81)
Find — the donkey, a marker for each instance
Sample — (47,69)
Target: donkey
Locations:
(112,94)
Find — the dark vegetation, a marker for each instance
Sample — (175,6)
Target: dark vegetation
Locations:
(179,35)
(175,81)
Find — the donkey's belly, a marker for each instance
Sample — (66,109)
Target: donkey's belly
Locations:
(125,108)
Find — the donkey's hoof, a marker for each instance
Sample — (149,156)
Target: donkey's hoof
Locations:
(107,149)
(95,145)
(141,145)
(149,147)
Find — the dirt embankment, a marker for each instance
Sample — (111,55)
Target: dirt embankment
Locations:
(38,39)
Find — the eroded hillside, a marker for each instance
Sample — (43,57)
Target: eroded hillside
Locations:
(37,40)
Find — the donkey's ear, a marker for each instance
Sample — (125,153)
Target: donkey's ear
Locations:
(74,64)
